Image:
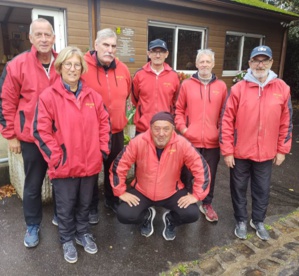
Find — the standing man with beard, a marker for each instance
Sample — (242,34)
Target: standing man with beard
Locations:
(22,81)
(198,111)
(111,78)
(256,131)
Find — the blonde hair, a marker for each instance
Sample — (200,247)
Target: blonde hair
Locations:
(67,53)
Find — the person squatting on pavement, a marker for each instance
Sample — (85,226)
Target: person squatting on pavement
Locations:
(112,80)
(256,131)
(197,117)
(72,129)
(22,80)
(155,86)
(160,155)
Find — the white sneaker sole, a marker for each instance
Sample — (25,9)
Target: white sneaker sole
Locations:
(152,223)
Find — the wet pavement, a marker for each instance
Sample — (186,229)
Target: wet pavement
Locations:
(201,248)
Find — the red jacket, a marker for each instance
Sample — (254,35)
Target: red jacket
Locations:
(257,127)
(152,93)
(22,81)
(199,108)
(72,133)
(114,85)
(156,179)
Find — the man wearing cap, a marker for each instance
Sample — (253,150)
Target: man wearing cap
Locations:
(155,86)
(160,155)
(256,131)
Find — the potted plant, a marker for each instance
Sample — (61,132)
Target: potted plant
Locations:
(129,131)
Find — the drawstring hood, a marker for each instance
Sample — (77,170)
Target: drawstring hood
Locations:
(105,67)
(205,83)
(250,78)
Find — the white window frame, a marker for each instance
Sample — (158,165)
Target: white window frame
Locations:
(178,27)
(230,73)
(59,25)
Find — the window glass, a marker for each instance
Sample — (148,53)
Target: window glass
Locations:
(238,47)
(188,44)
(182,43)
(249,44)
(232,52)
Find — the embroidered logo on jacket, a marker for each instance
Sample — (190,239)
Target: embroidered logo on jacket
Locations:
(276,95)
(216,92)
(171,151)
(91,105)
(168,84)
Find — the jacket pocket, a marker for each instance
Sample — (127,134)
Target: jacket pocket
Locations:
(22,120)
(64,156)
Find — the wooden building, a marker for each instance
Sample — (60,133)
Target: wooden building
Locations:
(227,27)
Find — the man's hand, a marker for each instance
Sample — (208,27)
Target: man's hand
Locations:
(131,199)
(278,159)
(14,145)
(186,200)
(229,160)
(183,131)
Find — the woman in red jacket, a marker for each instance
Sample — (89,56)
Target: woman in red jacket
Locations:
(71,128)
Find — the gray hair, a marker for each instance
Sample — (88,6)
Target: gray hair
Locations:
(105,33)
(42,20)
(207,52)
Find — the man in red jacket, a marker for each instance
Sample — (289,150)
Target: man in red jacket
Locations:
(111,78)
(159,154)
(155,86)
(256,131)
(22,80)
(198,110)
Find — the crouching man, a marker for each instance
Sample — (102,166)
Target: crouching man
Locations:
(159,155)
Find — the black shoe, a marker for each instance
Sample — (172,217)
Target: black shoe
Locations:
(113,205)
(168,232)
(147,228)
(93,217)
(70,252)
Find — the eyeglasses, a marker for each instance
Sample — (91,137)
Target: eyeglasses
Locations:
(68,65)
(157,52)
(264,61)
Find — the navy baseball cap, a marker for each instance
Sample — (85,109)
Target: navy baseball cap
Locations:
(261,50)
(157,43)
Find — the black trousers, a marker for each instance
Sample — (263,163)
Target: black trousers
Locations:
(259,174)
(35,168)
(73,197)
(212,156)
(136,214)
(117,144)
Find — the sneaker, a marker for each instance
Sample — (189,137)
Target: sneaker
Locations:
(93,217)
(70,252)
(87,241)
(55,220)
(241,230)
(147,228)
(261,231)
(31,237)
(168,232)
(113,205)
(209,212)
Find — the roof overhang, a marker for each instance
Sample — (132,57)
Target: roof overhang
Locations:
(229,7)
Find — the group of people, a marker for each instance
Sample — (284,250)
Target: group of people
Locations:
(66,114)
